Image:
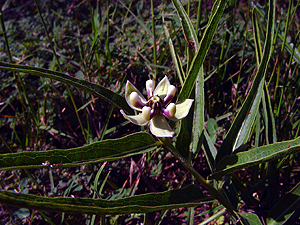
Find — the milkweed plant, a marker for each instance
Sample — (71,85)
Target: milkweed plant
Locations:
(234,171)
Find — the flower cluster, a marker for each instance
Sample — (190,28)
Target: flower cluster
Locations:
(157,107)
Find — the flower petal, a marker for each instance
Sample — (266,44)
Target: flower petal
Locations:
(136,100)
(170,110)
(128,90)
(170,95)
(160,127)
(149,87)
(146,111)
(182,109)
(162,88)
(139,119)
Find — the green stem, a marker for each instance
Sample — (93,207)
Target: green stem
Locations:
(214,192)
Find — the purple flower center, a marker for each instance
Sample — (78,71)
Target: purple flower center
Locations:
(156,104)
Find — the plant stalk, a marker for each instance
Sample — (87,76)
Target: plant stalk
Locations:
(214,192)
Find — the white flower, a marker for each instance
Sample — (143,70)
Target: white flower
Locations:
(157,107)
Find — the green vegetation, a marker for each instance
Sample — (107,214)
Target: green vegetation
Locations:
(68,156)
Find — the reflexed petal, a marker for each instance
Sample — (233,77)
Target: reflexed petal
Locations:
(162,88)
(136,119)
(149,87)
(136,101)
(170,95)
(182,109)
(160,127)
(128,90)
(170,110)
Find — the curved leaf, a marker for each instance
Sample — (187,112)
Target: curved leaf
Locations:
(232,163)
(110,96)
(106,150)
(189,196)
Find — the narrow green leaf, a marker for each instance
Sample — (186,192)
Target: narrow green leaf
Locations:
(210,151)
(96,180)
(116,99)
(174,56)
(232,163)
(257,41)
(188,28)
(106,150)
(202,50)
(183,139)
(267,108)
(193,44)
(190,216)
(269,117)
(292,49)
(188,31)
(284,209)
(198,119)
(196,70)
(189,196)
(239,131)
